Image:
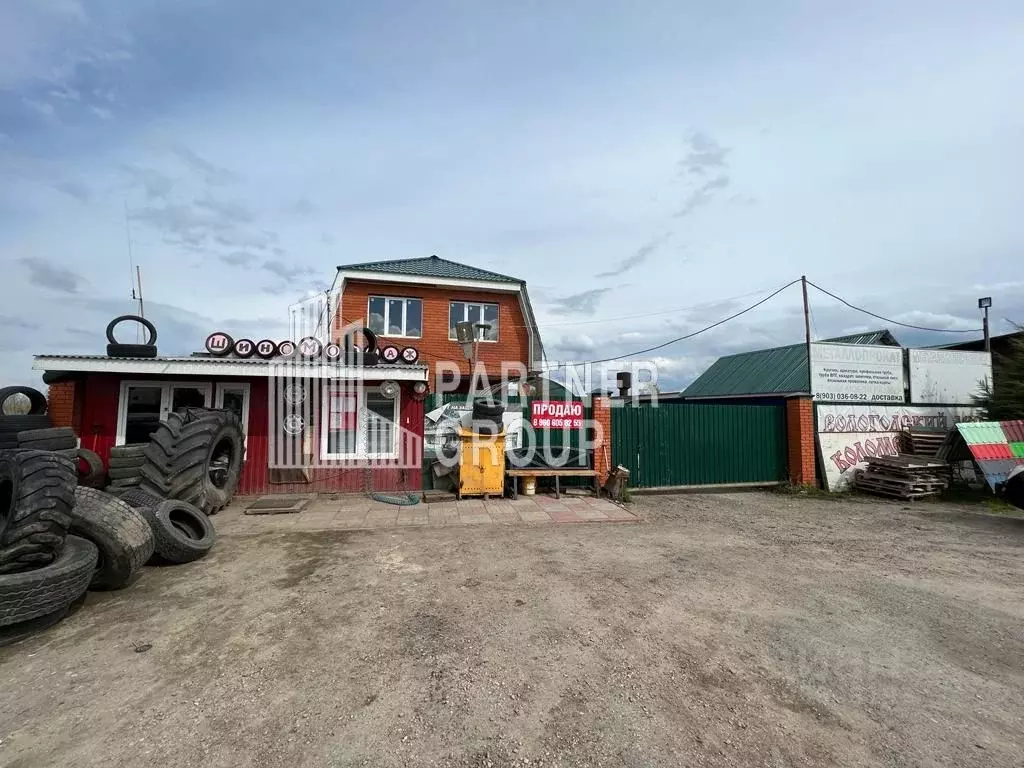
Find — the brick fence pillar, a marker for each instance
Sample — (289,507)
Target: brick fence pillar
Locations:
(61,406)
(801,438)
(601,413)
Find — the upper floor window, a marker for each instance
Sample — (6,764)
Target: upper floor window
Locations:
(389,316)
(473,312)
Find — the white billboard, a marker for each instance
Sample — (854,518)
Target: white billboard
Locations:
(857,373)
(850,434)
(947,376)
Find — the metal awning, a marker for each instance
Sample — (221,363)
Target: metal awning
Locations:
(215,366)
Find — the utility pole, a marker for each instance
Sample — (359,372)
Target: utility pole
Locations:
(984,304)
(807,332)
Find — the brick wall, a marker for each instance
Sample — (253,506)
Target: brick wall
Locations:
(61,405)
(801,438)
(513,340)
(601,412)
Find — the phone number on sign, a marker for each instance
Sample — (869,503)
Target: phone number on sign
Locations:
(861,397)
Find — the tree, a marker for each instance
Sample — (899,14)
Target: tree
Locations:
(1002,399)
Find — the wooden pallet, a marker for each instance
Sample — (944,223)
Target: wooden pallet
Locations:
(904,477)
(921,442)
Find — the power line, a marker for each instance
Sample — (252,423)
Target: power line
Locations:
(888,320)
(647,314)
(772,295)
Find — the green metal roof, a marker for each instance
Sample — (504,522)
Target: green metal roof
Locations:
(765,372)
(430,266)
(883,336)
(776,371)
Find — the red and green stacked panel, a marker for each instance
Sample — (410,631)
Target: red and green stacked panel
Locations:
(997,447)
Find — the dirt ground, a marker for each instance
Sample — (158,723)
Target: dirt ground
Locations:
(745,630)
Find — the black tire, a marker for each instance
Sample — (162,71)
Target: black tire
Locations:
(150,329)
(128,451)
(23,630)
(122,535)
(36,399)
(123,473)
(48,434)
(37,490)
(92,461)
(181,532)
(127,457)
(10,426)
(49,588)
(127,465)
(137,498)
(485,428)
(56,444)
(487,410)
(130,350)
(55,377)
(195,456)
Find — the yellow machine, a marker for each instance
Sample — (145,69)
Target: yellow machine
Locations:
(481,464)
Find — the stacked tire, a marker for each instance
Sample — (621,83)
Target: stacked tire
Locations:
(43,570)
(487,417)
(12,424)
(64,441)
(125,467)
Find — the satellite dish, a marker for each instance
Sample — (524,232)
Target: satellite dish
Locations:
(389,389)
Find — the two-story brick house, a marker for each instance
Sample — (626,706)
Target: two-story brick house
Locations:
(311,423)
(419,301)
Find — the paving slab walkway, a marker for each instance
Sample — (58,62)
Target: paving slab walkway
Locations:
(362,512)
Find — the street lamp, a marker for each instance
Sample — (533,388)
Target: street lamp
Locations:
(984,304)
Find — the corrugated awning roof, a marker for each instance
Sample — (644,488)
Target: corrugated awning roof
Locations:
(225,366)
(430,266)
(775,371)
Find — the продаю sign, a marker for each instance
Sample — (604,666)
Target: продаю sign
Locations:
(556,414)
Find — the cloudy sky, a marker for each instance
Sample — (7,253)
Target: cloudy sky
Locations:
(648,167)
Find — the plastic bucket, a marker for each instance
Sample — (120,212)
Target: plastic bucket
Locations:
(529,486)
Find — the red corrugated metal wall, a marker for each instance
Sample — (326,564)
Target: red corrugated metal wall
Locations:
(405,475)
(101,392)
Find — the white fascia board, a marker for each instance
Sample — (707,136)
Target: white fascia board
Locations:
(447,282)
(208,367)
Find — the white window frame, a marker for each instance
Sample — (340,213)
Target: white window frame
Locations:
(387,318)
(243,387)
(465,317)
(166,388)
(362,421)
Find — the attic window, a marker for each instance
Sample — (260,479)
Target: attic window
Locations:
(395,316)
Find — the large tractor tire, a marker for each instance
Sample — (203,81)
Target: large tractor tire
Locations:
(37,491)
(195,456)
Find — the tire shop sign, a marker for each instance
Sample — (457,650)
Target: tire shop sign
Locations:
(556,414)
(857,373)
(221,344)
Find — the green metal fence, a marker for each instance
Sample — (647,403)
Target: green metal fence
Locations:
(698,444)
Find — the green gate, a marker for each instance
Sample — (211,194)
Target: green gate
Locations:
(699,444)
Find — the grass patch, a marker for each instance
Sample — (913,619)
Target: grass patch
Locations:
(808,492)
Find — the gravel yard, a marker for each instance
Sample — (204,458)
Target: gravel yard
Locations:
(737,629)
